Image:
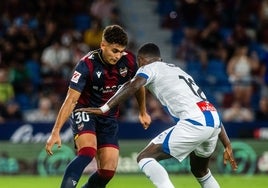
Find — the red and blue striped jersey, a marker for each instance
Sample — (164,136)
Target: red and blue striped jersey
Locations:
(98,81)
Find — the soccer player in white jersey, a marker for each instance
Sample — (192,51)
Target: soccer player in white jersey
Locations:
(198,124)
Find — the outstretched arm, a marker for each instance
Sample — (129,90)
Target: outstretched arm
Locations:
(125,91)
(134,86)
(228,152)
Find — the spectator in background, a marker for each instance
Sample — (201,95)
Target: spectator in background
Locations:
(20,78)
(33,68)
(263,73)
(236,37)
(262,110)
(43,114)
(93,35)
(55,59)
(188,49)
(237,113)
(211,42)
(261,113)
(77,47)
(115,18)
(239,69)
(10,112)
(9,108)
(6,88)
(9,44)
(49,33)
(102,9)
(263,13)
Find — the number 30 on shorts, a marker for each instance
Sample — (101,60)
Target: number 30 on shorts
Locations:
(80,117)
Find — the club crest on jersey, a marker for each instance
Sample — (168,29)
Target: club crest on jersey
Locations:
(80,126)
(123,71)
(76,76)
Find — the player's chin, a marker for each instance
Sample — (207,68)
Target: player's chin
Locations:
(113,61)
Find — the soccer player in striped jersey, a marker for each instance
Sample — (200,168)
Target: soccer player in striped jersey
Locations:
(95,79)
(198,125)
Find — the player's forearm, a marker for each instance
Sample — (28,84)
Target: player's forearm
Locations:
(63,115)
(140,96)
(224,137)
(66,110)
(121,95)
(128,89)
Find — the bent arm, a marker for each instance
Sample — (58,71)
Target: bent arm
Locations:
(64,113)
(66,109)
(134,86)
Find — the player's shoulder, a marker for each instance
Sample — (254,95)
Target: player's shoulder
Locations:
(91,56)
(129,57)
(129,53)
(155,65)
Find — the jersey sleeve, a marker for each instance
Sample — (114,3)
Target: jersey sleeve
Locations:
(79,77)
(146,72)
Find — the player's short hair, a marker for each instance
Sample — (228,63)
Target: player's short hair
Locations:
(115,34)
(149,50)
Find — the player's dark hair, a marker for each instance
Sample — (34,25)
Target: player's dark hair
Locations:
(149,50)
(115,34)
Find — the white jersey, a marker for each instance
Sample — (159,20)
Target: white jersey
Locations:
(177,91)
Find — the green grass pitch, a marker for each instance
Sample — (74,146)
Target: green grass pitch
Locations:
(136,181)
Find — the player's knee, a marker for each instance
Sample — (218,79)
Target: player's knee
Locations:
(198,172)
(146,154)
(106,174)
(87,151)
(141,156)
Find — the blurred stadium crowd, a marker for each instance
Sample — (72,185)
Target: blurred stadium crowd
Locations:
(222,43)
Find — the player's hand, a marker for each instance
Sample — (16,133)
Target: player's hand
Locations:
(90,110)
(54,138)
(145,120)
(228,156)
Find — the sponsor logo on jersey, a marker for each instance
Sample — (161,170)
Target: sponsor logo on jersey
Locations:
(123,71)
(205,106)
(107,89)
(76,76)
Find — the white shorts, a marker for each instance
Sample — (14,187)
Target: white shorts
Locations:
(183,138)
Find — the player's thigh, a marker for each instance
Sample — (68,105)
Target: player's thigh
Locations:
(107,158)
(207,147)
(86,140)
(153,151)
(180,140)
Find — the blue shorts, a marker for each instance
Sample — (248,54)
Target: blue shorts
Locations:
(105,128)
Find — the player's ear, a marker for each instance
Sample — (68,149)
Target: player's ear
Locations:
(140,59)
(102,44)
